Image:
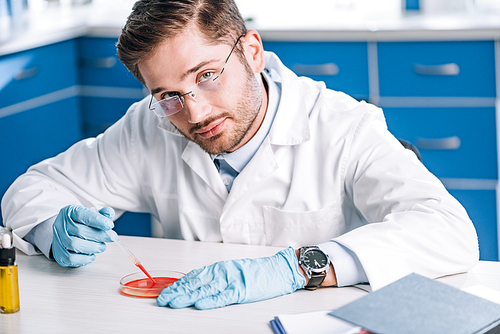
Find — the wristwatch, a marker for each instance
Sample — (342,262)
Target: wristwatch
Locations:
(316,264)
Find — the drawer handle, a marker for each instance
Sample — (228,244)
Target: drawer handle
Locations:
(445,69)
(320,69)
(27,73)
(107,62)
(449,143)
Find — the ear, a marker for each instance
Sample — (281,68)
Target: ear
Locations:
(254,50)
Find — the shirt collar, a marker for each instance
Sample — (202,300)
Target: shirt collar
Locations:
(240,158)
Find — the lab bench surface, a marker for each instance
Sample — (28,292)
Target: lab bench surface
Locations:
(87,299)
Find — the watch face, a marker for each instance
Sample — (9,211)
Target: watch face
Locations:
(315,259)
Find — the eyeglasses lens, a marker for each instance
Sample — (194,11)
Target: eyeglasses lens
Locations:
(208,87)
(199,92)
(170,105)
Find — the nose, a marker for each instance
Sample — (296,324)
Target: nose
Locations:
(197,111)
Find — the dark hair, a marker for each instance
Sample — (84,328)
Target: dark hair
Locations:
(153,21)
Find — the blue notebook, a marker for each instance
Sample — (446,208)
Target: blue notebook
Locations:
(416,304)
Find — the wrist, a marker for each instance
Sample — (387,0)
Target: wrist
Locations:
(330,279)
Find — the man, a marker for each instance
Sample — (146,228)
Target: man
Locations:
(234,147)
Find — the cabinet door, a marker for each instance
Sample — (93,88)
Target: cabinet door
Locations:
(99,65)
(33,73)
(453,142)
(481,207)
(342,66)
(108,88)
(34,135)
(437,69)
(101,112)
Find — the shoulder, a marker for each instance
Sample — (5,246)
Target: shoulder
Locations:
(340,112)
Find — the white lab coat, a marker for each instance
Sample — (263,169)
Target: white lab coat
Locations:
(329,169)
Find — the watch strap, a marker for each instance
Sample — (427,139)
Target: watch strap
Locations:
(315,281)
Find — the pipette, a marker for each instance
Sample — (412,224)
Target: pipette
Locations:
(115,238)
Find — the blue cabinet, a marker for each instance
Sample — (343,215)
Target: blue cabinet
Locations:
(52,128)
(37,72)
(53,96)
(39,107)
(341,65)
(453,142)
(441,96)
(459,146)
(107,88)
(481,207)
(437,69)
(100,66)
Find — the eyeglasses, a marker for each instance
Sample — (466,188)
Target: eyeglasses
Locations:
(174,102)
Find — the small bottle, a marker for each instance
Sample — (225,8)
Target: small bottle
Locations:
(9,287)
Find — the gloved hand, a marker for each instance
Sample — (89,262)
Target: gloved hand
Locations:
(79,233)
(238,281)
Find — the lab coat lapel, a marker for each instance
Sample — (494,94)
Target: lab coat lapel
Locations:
(291,124)
(200,162)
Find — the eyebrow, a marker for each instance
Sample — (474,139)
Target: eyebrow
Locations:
(188,72)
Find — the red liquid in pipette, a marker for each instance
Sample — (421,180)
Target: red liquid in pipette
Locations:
(140,266)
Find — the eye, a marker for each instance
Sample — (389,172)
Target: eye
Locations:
(169,95)
(206,76)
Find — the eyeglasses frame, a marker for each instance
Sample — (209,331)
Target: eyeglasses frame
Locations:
(181,97)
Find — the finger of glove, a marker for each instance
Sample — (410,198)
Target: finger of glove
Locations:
(205,291)
(195,273)
(226,297)
(72,243)
(89,224)
(88,233)
(190,282)
(107,212)
(69,259)
(91,218)
(77,244)
(179,288)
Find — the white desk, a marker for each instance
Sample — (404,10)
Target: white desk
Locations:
(87,299)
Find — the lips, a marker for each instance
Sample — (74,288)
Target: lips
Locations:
(212,129)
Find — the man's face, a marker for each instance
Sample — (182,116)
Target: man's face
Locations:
(226,120)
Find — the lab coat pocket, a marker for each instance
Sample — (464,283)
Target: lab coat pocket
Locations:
(200,225)
(287,228)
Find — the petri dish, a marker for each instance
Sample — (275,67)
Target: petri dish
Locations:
(139,285)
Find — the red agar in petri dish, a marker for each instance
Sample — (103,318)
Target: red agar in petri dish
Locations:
(144,287)
(137,286)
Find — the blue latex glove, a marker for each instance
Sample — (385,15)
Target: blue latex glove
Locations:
(233,282)
(79,233)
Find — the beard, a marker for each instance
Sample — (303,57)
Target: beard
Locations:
(243,116)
